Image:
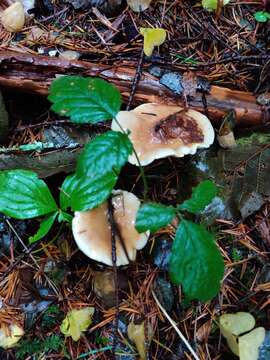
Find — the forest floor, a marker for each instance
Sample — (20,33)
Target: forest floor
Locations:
(40,283)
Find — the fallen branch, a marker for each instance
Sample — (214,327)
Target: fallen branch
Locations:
(34,73)
(44,165)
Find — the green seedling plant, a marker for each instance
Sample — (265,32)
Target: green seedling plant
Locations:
(195,262)
(262,16)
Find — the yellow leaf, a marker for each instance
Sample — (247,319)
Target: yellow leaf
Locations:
(237,323)
(9,340)
(136,333)
(232,325)
(76,322)
(245,346)
(249,344)
(152,38)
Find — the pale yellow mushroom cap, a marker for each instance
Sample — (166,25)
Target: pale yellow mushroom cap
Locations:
(92,230)
(139,5)
(13,17)
(158,131)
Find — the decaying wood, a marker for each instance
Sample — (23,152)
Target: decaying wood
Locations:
(33,73)
(44,165)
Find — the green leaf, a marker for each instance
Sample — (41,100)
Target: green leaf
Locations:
(44,227)
(201,196)
(85,100)
(63,216)
(91,192)
(85,193)
(211,5)
(196,262)
(23,195)
(106,152)
(153,217)
(262,16)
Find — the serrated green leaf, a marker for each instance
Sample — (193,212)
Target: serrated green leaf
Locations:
(153,217)
(86,192)
(92,192)
(44,227)
(196,262)
(201,196)
(23,195)
(105,153)
(85,100)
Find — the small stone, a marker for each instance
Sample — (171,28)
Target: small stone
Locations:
(173,81)
(69,55)
(28,5)
(264,276)
(164,292)
(104,286)
(161,254)
(53,53)
(264,349)
(78,4)
(156,71)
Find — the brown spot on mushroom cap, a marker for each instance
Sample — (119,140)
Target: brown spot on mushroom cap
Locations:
(157,131)
(92,230)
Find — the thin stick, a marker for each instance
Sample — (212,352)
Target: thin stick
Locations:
(182,337)
(135,80)
(53,286)
(114,259)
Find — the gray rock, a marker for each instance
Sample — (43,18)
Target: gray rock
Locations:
(161,254)
(108,7)
(164,292)
(78,4)
(264,350)
(173,81)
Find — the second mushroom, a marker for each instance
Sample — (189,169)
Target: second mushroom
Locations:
(157,131)
(92,230)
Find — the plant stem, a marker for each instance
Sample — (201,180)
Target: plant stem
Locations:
(114,259)
(145,185)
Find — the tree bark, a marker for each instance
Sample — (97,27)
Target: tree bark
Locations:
(34,73)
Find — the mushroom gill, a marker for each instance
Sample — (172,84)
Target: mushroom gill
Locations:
(92,230)
(158,131)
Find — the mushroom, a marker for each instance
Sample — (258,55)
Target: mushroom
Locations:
(13,17)
(157,131)
(139,5)
(92,230)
